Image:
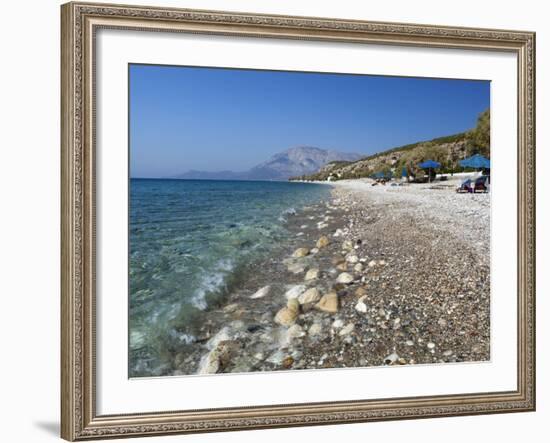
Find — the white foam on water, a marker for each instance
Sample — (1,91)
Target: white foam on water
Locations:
(212,282)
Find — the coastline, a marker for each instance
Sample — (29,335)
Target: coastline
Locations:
(391,275)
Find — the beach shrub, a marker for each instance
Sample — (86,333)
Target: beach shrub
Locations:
(479,138)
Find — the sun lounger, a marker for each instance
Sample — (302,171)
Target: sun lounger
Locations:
(480,185)
(465,186)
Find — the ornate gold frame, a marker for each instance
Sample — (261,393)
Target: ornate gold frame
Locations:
(79,22)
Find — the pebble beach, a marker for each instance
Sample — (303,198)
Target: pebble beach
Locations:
(376,275)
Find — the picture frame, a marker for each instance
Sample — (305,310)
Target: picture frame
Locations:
(80,22)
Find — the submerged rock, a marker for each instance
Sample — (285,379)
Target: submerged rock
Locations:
(323,242)
(296,268)
(295,291)
(300,252)
(286,316)
(219,357)
(287,362)
(337,259)
(312,274)
(310,296)
(261,292)
(293,304)
(342,266)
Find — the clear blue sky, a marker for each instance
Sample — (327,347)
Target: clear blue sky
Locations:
(226,119)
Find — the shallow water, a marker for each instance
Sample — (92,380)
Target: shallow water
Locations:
(191,243)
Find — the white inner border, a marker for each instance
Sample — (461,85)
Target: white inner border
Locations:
(117,394)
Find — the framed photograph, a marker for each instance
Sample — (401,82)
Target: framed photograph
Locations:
(283,221)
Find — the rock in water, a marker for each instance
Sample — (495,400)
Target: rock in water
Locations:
(219,357)
(286,316)
(261,292)
(312,274)
(328,302)
(295,331)
(310,296)
(337,259)
(296,268)
(342,267)
(295,291)
(287,362)
(210,363)
(345,278)
(293,304)
(300,252)
(323,242)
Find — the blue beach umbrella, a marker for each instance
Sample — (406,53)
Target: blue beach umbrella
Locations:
(476,161)
(429,165)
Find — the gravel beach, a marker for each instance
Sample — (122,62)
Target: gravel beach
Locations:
(378,275)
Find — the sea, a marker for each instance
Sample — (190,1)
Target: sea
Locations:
(192,242)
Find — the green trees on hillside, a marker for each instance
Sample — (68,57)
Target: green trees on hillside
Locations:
(411,159)
(479,138)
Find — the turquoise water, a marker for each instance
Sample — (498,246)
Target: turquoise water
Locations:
(191,242)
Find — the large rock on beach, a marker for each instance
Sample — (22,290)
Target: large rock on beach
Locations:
(310,296)
(300,252)
(328,302)
(219,357)
(312,274)
(286,316)
(345,278)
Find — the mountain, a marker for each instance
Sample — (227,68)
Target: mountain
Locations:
(293,162)
(446,150)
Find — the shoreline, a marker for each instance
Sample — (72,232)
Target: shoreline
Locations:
(391,275)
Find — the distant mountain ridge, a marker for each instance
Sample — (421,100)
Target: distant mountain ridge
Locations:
(293,162)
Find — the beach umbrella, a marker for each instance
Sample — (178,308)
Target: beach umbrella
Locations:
(476,161)
(429,165)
